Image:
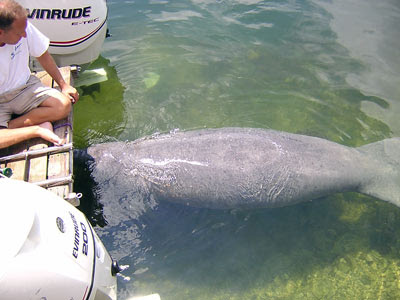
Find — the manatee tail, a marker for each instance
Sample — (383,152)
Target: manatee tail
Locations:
(385,156)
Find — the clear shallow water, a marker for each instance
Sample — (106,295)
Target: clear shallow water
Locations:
(323,68)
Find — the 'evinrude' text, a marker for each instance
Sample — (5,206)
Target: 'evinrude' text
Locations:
(56,13)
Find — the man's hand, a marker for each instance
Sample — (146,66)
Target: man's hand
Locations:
(70,92)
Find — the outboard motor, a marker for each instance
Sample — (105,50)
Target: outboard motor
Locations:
(49,250)
(76,28)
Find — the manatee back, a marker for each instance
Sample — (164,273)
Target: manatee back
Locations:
(234,167)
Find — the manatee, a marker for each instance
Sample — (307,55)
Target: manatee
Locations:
(248,168)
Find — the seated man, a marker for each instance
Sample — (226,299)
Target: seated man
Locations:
(20,92)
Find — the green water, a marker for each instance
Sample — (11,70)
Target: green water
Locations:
(322,68)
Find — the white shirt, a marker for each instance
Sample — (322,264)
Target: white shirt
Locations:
(14,59)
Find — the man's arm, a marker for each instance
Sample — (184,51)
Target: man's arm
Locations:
(10,137)
(47,62)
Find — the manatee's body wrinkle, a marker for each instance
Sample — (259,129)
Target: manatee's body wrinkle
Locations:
(245,167)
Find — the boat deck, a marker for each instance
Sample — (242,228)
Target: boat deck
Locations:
(38,162)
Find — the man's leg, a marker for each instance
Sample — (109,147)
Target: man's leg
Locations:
(10,137)
(51,109)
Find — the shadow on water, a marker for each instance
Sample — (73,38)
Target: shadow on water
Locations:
(84,183)
(99,113)
(98,117)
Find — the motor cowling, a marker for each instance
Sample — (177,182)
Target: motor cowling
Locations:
(76,28)
(49,250)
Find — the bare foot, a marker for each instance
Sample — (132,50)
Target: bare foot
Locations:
(46,132)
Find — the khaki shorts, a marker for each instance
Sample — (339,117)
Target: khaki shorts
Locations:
(22,100)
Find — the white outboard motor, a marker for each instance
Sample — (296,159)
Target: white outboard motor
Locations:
(76,28)
(48,248)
